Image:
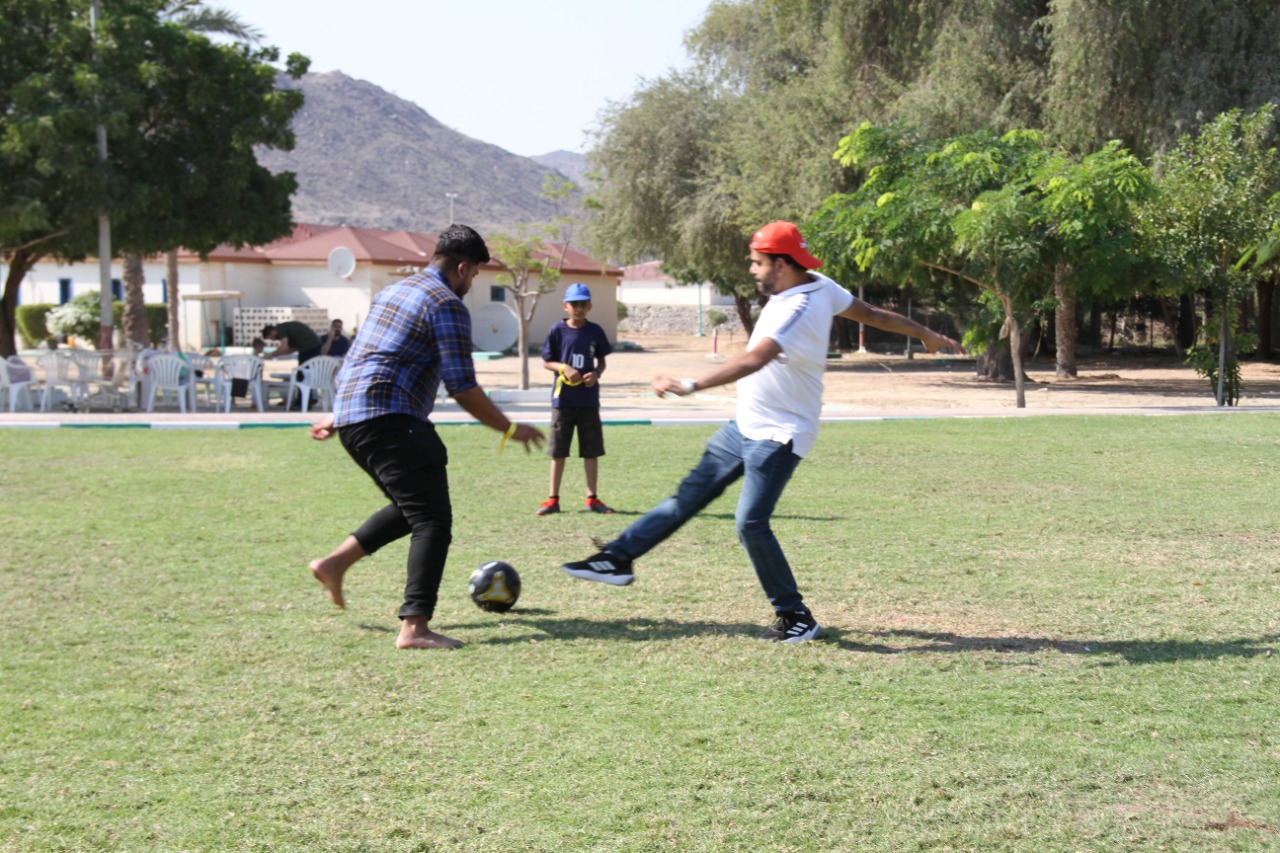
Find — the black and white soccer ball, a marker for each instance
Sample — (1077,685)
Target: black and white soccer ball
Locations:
(495,586)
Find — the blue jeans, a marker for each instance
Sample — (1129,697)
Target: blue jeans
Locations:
(766,467)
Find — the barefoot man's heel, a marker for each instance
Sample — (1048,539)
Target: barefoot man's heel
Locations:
(414,634)
(331,580)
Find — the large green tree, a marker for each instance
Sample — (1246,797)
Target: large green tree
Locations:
(1149,73)
(697,160)
(1216,204)
(197,17)
(661,194)
(1008,214)
(182,115)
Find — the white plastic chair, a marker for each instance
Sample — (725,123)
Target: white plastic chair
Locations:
(59,372)
(170,373)
(137,387)
(205,368)
(320,374)
(247,368)
(16,381)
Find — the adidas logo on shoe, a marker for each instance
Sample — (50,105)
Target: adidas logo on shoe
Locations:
(793,627)
(604,568)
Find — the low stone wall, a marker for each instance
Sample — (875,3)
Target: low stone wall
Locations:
(674,320)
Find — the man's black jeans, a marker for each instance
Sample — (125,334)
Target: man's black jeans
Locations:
(408,461)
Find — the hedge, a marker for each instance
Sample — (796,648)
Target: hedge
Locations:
(34,331)
(31,325)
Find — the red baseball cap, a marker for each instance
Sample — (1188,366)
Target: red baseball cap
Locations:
(783,238)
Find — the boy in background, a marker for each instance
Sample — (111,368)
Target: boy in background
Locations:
(575,351)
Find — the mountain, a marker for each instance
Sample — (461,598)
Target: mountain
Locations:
(572,165)
(365,157)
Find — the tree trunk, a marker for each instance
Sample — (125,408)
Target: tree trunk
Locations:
(136,332)
(1223,334)
(522,344)
(1186,323)
(1064,325)
(996,364)
(1015,353)
(171,295)
(844,334)
(1266,289)
(742,305)
(20,263)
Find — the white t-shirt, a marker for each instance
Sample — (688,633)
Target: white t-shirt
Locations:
(783,400)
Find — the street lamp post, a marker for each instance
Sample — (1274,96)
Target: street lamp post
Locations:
(451,197)
(106,334)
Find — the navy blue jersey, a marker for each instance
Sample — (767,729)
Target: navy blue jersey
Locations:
(581,349)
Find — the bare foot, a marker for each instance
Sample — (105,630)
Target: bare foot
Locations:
(414,634)
(330,577)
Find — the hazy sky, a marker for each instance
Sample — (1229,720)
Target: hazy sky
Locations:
(527,75)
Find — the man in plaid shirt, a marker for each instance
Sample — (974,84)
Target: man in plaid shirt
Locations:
(418,334)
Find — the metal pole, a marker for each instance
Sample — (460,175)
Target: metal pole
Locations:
(451,197)
(862,329)
(107,334)
(700,332)
(907,353)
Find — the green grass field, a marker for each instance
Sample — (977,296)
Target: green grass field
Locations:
(1042,634)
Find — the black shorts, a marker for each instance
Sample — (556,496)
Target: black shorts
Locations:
(564,419)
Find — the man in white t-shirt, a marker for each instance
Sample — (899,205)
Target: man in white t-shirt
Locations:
(779,378)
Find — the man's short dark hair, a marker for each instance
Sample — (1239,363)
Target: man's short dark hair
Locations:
(462,243)
(791,262)
(269,331)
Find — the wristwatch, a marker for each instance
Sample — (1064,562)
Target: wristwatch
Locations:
(689,385)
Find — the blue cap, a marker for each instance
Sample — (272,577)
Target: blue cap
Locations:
(577,293)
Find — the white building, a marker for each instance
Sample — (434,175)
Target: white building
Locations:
(319,273)
(646,284)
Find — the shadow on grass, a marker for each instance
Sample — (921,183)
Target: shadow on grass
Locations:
(779,516)
(546,627)
(1133,651)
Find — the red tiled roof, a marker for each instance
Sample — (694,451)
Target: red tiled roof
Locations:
(647,271)
(312,243)
(366,244)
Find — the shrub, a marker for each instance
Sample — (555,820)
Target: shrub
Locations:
(157,321)
(622,311)
(79,317)
(32,323)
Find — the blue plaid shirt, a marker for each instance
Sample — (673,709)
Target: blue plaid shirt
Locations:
(417,334)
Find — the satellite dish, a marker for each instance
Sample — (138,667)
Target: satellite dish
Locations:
(342,262)
(494,327)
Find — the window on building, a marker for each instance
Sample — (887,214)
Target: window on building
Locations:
(164,291)
(497,293)
(64,291)
(117,290)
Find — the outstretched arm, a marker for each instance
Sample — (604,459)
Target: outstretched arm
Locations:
(742,364)
(889,321)
(479,406)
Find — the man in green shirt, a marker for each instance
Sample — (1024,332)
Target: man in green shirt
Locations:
(293,337)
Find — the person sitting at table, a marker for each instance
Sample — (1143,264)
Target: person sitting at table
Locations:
(335,343)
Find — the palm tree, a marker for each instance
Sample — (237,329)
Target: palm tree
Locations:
(195,16)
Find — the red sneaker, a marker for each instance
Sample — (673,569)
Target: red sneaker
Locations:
(595,505)
(549,506)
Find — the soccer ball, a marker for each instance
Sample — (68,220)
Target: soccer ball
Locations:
(495,586)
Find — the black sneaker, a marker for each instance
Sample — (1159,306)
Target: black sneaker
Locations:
(793,627)
(603,567)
